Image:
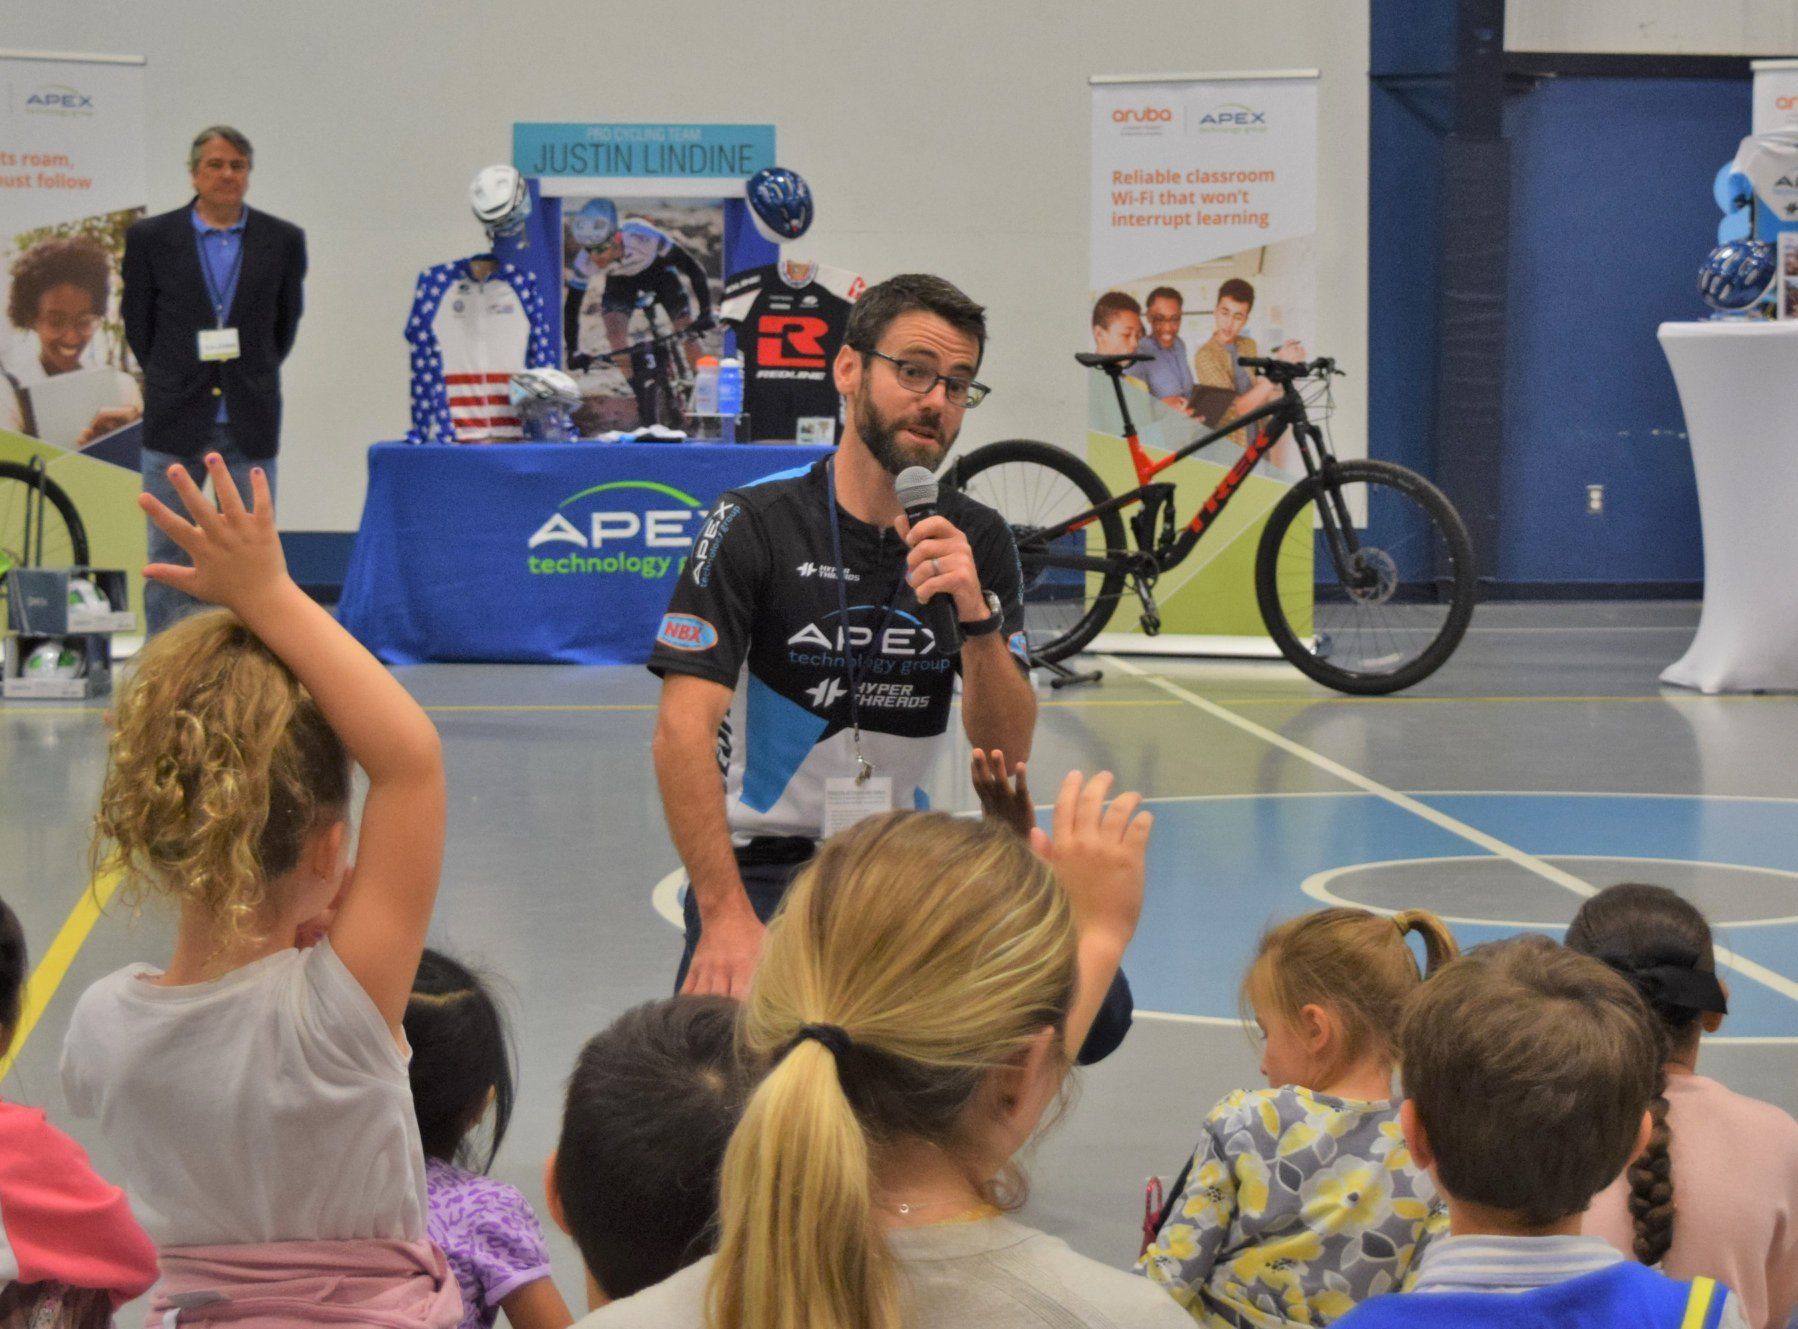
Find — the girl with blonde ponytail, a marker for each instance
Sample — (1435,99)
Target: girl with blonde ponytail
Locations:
(917,1007)
(254,1088)
(1729,1211)
(1301,1199)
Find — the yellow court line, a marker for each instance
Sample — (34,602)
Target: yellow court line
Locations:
(48,975)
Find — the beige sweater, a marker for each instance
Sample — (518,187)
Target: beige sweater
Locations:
(1735,1195)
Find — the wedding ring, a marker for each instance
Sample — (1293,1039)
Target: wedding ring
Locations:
(936,567)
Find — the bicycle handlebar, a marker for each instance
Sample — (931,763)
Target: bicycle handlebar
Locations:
(1284,371)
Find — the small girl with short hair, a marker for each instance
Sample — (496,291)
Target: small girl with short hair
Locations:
(1716,1192)
(462,1075)
(70,1251)
(254,1088)
(1301,1199)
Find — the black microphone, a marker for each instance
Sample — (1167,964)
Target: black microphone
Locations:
(916,489)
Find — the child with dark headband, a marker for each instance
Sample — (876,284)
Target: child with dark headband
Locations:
(1716,1191)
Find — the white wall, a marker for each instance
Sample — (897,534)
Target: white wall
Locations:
(949,137)
(1654,27)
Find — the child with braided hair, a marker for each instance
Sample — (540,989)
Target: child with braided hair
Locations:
(1716,1190)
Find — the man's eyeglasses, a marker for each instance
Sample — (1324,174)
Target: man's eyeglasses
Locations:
(921,379)
(57,324)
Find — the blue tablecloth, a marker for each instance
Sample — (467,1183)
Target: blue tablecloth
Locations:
(533,552)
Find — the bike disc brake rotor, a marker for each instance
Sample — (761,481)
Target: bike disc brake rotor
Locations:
(1376,577)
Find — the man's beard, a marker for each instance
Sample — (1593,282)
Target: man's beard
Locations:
(881,436)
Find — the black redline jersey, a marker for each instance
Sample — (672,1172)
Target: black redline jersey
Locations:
(790,319)
(756,610)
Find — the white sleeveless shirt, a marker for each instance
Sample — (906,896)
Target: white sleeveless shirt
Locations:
(268,1105)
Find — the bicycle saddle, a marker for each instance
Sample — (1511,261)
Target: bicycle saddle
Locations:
(1110,363)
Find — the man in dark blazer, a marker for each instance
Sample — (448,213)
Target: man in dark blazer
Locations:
(211,305)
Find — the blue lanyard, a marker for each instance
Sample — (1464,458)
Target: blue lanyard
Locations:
(213,288)
(852,659)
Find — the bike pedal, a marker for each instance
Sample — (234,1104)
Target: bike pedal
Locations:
(1151,624)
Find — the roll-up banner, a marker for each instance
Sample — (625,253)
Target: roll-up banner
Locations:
(1203,217)
(71,182)
(1775,95)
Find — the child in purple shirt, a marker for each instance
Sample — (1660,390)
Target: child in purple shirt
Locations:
(461,1068)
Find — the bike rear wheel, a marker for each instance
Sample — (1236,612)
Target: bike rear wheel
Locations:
(64,536)
(1392,611)
(1035,486)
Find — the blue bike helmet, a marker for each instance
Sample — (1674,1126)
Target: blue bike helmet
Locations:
(780,204)
(594,223)
(1736,274)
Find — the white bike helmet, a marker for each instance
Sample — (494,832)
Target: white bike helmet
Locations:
(56,657)
(500,201)
(545,400)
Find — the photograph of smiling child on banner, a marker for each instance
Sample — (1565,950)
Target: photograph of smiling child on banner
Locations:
(65,372)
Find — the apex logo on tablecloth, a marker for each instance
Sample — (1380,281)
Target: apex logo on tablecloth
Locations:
(624,539)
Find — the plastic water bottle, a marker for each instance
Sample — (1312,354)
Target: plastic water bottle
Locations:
(705,386)
(730,395)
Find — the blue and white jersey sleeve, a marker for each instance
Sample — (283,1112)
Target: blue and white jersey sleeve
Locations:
(431,422)
(538,353)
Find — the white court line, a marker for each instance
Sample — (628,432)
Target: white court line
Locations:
(1454,826)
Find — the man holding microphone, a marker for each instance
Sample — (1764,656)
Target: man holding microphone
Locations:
(802,653)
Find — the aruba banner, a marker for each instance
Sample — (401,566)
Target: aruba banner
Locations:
(1203,221)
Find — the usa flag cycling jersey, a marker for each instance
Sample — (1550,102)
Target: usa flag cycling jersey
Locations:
(468,338)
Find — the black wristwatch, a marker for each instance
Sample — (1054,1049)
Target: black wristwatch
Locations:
(995,618)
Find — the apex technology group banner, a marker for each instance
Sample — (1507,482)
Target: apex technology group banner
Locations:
(71,182)
(1204,211)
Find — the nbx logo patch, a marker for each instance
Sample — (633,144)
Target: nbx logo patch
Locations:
(790,341)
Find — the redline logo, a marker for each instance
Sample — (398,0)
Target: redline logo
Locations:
(1146,115)
(790,341)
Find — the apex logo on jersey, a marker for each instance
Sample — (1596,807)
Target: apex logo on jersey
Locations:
(791,341)
(901,636)
(686,632)
(623,539)
(824,695)
(705,548)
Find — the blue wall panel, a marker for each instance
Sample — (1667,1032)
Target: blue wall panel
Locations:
(1611,216)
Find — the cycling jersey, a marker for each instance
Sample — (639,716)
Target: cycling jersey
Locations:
(790,319)
(756,610)
(468,338)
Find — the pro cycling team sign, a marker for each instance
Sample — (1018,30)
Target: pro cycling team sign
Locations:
(678,160)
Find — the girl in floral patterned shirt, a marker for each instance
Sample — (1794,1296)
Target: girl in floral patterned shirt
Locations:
(1301,1199)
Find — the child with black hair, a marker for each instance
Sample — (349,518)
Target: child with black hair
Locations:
(1683,1204)
(651,1106)
(462,1075)
(70,1251)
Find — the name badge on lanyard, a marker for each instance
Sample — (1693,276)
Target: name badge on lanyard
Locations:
(218,344)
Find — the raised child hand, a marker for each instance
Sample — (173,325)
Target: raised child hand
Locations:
(236,552)
(1004,797)
(1098,852)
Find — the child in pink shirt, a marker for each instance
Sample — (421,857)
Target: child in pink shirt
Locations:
(1716,1191)
(70,1251)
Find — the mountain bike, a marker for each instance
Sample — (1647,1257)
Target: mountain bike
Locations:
(1365,608)
(39,525)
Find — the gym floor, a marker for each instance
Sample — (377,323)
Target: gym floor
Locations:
(1544,761)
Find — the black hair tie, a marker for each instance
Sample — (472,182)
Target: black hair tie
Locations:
(831,1036)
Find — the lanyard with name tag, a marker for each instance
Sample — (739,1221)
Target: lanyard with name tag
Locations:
(849,799)
(220,342)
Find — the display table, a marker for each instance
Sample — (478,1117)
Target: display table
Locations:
(1738,384)
(533,552)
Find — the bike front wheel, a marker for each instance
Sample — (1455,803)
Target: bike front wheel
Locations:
(58,540)
(1072,580)
(1371,608)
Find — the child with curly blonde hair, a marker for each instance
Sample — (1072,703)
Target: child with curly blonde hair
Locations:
(1301,1199)
(254,1087)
